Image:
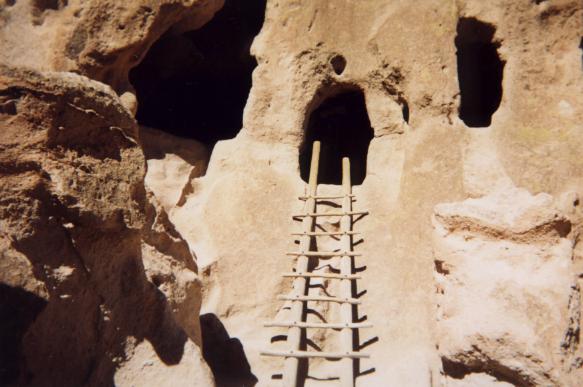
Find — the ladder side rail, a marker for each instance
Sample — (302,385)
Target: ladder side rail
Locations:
(347,363)
(300,284)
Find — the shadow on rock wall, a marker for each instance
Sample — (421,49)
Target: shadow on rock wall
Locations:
(225,355)
(18,309)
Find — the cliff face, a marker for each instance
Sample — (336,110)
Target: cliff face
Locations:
(98,287)
(126,251)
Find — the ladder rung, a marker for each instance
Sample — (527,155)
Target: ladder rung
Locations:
(306,354)
(326,253)
(323,275)
(352,301)
(325,197)
(324,233)
(313,214)
(289,324)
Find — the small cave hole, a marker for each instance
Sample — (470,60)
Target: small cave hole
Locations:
(195,85)
(342,126)
(480,72)
(43,5)
(338,63)
(39,7)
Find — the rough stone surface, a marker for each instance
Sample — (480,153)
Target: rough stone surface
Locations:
(102,39)
(93,274)
(472,261)
(172,164)
(520,329)
(505,280)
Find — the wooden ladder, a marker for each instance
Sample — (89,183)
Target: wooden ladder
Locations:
(300,296)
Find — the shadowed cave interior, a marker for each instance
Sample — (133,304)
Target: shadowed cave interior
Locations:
(480,72)
(195,85)
(342,126)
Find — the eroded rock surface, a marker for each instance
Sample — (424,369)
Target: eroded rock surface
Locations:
(102,39)
(505,280)
(173,163)
(403,59)
(92,269)
(97,285)
(115,237)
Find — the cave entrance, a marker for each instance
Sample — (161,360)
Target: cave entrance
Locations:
(480,72)
(342,126)
(195,85)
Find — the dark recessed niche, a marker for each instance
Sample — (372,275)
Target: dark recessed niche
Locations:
(338,63)
(405,110)
(342,126)
(196,85)
(480,72)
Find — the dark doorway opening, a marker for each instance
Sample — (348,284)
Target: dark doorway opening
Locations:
(480,72)
(342,126)
(195,85)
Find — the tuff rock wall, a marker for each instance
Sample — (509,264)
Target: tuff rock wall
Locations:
(97,286)
(471,267)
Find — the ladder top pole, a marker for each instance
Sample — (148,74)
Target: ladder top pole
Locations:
(313,179)
(346,180)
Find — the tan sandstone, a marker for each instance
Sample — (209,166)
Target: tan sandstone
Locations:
(117,238)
